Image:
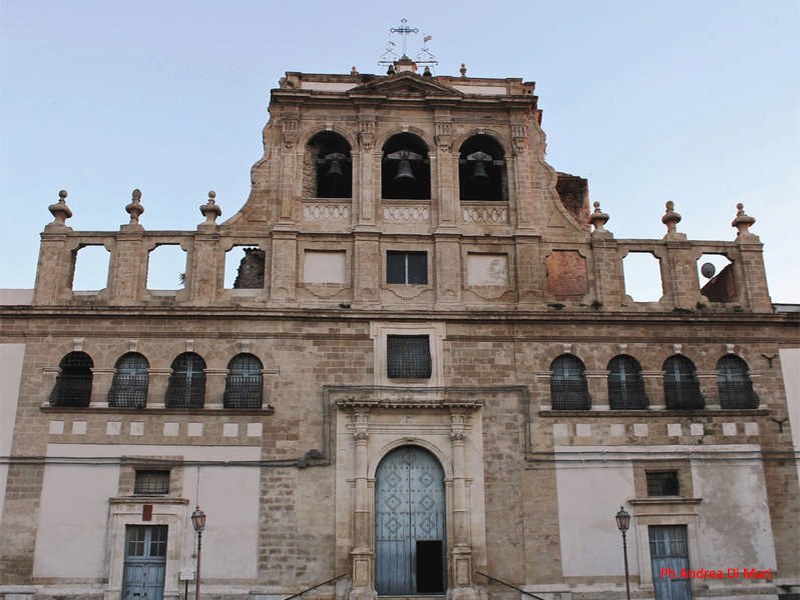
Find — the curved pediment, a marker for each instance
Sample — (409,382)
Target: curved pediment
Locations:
(406,85)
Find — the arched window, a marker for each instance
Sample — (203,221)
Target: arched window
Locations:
(735,387)
(681,389)
(625,384)
(74,383)
(244,385)
(405,169)
(482,170)
(187,383)
(129,386)
(568,389)
(330,167)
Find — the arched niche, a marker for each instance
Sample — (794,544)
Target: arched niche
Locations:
(482,170)
(328,167)
(405,168)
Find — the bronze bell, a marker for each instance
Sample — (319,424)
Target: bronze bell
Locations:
(404,171)
(335,169)
(480,170)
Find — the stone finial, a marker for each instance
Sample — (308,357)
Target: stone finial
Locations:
(463,70)
(598,219)
(135,208)
(60,211)
(671,218)
(742,221)
(210,210)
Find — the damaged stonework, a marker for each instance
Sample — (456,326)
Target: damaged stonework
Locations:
(574,194)
(251,270)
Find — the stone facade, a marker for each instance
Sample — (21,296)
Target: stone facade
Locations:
(441,228)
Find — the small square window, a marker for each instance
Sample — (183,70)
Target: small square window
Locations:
(151,483)
(662,483)
(407,267)
(408,356)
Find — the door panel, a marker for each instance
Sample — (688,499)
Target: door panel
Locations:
(409,508)
(145,562)
(669,550)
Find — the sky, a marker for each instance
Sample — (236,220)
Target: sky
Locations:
(697,102)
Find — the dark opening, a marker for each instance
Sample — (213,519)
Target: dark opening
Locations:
(332,165)
(408,356)
(407,267)
(430,567)
(482,170)
(662,483)
(405,168)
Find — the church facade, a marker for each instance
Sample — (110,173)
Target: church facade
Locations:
(427,379)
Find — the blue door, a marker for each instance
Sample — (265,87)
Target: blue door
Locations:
(145,562)
(410,552)
(669,553)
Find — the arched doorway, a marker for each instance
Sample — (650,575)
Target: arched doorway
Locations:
(410,549)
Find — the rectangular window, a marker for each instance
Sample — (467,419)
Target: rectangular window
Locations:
(669,555)
(408,356)
(663,483)
(407,267)
(151,483)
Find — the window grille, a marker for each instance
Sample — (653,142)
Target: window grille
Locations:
(408,356)
(568,388)
(625,384)
(187,383)
(662,483)
(129,385)
(151,483)
(407,267)
(74,383)
(733,381)
(681,389)
(244,384)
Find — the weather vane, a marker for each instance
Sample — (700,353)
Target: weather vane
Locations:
(423,57)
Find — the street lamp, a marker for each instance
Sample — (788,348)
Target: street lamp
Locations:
(199,523)
(623,522)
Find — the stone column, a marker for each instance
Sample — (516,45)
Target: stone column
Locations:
(101,384)
(215,387)
(283,267)
(708,387)
(289,160)
(755,292)
(609,279)
(448,269)
(127,277)
(446,182)
(654,389)
(366,268)
(461,588)
(157,392)
(597,382)
(49,378)
(530,268)
(362,550)
(678,267)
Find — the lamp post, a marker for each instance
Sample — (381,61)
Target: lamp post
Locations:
(199,523)
(623,522)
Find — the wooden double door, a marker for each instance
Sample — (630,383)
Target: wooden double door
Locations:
(410,548)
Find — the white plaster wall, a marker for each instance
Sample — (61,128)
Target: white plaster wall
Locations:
(734,529)
(487,269)
(790,364)
(11,358)
(324,267)
(74,509)
(589,495)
